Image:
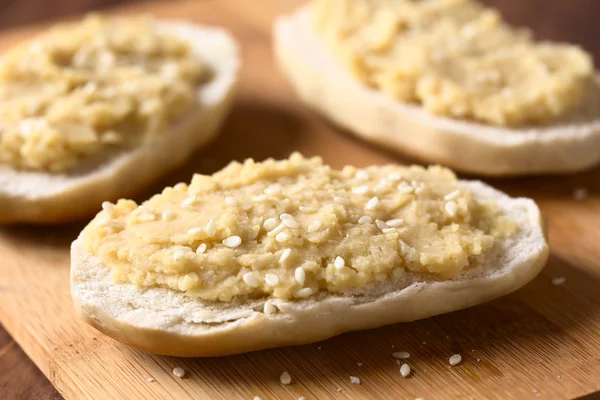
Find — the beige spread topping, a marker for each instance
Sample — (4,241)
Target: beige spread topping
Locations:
(288,229)
(84,88)
(455,58)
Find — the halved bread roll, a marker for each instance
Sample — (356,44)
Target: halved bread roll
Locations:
(166,321)
(570,144)
(39,197)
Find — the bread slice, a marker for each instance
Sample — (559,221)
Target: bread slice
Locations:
(27,196)
(164,321)
(568,145)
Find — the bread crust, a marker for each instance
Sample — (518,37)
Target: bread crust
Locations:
(569,145)
(36,197)
(160,320)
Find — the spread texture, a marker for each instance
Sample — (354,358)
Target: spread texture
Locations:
(288,229)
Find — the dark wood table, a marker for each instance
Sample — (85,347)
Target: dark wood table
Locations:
(573,21)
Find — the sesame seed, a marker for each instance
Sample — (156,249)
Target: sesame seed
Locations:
(284,255)
(405,370)
(314,225)
(405,188)
(271,279)
(305,292)
(341,200)
(301,398)
(147,217)
(300,275)
(250,279)
(362,175)
(269,308)
(364,189)
(201,249)
(168,215)
(401,355)
(232,241)
(455,359)
(559,280)
(395,222)
(291,223)
(359,364)
(108,207)
(365,219)
(285,216)
(285,378)
(452,195)
(179,372)
(189,201)
(339,262)
(394,176)
(231,201)
(260,198)
(257,398)
(178,255)
(273,189)
(380,224)
(451,208)
(278,229)
(246,206)
(282,237)
(388,230)
(194,231)
(270,224)
(307,209)
(372,203)
(580,194)
(150,379)
(211,228)
(355,380)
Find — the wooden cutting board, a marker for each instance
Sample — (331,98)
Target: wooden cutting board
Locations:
(540,342)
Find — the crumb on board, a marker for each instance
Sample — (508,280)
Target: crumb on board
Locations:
(455,359)
(150,379)
(355,380)
(559,280)
(285,378)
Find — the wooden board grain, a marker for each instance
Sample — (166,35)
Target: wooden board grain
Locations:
(540,342)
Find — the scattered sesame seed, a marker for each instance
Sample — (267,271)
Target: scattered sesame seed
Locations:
(211,228)
(201,249)
(455,359)
(282,237)
(231,201)
(580,194)
(178,255)
(269,308)
(338,390)
(355,380)
(273,189)
(359,364)
(401,355)
(394,176)
(395,222)
(285,378)
(451,208)
(300,275)
(388,230)
(232,241)
(259,198)
(380,224)
(270,224)
(284,255)
(150,379)
(305,292)
(307,209)
(189,201)
(559,280)
(364,189)
(362,175)
(194,231)
(339,262)
(365,219)
(314,225)
(452,195)
(285,216)
(372,203)
(257,398)
(301,398)
(168,215)
(179,372)
(405,370)
(108,207)
(341,200)
(405,188)
(246,206)
(291,223)
(147,217)
(250,279)
(271,279)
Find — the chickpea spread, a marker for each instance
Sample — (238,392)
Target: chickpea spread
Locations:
(455,58)
(288,229)
(85,88)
